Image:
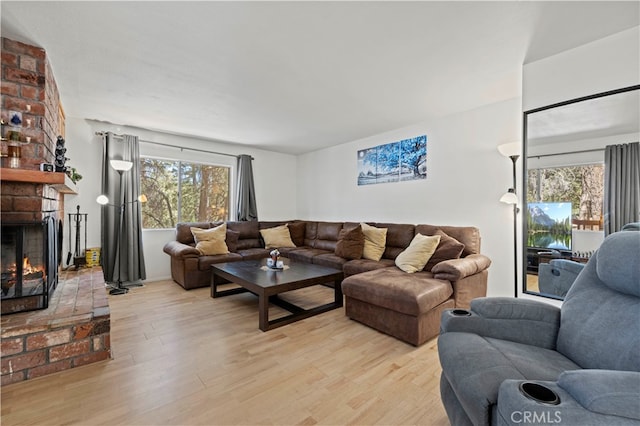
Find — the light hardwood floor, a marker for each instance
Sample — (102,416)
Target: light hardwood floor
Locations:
(181,357)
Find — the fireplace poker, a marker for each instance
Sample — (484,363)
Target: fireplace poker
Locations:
(78,259)
(69,253)
(78,219)
(85,235)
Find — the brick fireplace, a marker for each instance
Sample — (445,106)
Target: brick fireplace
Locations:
(72,325)
(32,202)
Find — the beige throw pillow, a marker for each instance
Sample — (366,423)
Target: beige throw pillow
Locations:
(277,237)
(414,257)
(375,240)
(211,241)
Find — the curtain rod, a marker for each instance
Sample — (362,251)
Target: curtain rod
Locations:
(173,146)
(565,153)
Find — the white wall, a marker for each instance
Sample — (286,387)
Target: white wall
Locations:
(466,175)
(274,175)
(607,64)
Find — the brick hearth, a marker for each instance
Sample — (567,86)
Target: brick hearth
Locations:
(72,331)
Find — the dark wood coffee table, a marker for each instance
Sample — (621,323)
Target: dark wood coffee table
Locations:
(268,284)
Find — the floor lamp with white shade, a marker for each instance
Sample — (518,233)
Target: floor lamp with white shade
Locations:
(512,150)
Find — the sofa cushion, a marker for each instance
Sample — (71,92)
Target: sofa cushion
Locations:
(399,236)
(330,260)
(296,230)
(467,235)
(277,236)
(395,290)
(255,253)
(211,241)
(205,262)
(374,241)
(284,251)
(232,240)
(306,255)
(310,232)
(475,375)
(448,248)
(183,231)
(249,234)
(327,235)
(416,256)
(350,243)
(358,266)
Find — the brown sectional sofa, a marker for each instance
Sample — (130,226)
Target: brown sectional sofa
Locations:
(377,293)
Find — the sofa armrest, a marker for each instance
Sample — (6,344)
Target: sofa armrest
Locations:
(517,320)
(179,250)
(584,397)
(508,308)
(456,269)
(609,392)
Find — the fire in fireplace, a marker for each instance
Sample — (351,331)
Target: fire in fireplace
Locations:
(32,279)
(29,268)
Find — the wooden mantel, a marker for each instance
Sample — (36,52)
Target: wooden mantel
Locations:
(60,181)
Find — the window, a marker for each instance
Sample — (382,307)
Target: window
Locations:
(583,186)
(180,191)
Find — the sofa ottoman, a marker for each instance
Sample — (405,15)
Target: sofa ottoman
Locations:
(406,306)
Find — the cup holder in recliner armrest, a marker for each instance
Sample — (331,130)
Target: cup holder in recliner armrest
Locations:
(461,312)
(539,393)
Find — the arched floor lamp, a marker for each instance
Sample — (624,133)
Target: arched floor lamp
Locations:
(120,166)
(512,150)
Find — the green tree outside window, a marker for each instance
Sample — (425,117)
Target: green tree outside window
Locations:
(180,191)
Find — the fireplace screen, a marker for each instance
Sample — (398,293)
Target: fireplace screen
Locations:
(29,265)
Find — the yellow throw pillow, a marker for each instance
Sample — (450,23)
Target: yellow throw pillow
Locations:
(211,241)
(416,256)
(375,240)
(277,237)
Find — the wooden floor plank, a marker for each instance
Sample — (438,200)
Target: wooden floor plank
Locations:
(181,357)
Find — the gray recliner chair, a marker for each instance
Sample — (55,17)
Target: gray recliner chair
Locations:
(556,277)
(516,361)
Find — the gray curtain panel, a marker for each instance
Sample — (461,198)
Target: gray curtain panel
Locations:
(621,186)
(247,208)
(123,198)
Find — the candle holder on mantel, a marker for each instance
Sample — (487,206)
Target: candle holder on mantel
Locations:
(14,154)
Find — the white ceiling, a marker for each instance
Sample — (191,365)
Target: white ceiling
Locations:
(295,77)
(617,114)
